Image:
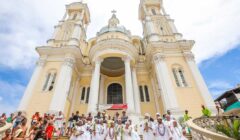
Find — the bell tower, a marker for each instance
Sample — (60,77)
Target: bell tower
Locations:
(71,30)
(157,25)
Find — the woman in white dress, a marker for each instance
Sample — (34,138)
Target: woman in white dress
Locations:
(127,132)
(148,131)
(98,131)
(177,132)
(119,130)
(110,135)
(87,133)
(78,132)
(135,135)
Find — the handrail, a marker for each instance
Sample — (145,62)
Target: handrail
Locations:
(204,129)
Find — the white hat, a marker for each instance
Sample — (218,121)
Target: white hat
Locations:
(146,114)
(159,118)
(158,114)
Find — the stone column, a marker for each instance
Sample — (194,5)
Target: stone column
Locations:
(202,87)
(165,83)
(73,100)
(129,86)
(94,88)
(29,90)
(136,92)
(101,97)
(62,86)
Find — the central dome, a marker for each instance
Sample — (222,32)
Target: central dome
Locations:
(113,26)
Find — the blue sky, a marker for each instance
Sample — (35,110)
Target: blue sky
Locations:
(214,25)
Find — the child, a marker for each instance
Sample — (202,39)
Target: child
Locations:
(49,131)
(63,129)
(57,133)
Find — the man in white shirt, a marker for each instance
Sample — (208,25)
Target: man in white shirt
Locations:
(162,132)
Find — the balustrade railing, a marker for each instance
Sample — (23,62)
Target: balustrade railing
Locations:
(214,128)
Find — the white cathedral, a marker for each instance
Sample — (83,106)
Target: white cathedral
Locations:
(151,73)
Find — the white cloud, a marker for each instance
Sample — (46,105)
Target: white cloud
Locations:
(11,90)
(11,94)
(7,108)
(27,24)
(218,87)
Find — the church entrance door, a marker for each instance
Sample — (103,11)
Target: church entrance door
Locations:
(114,94)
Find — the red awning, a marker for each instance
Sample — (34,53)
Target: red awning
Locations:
(118,107)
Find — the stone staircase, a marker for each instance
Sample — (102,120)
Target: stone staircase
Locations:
(61,138)
(67,138)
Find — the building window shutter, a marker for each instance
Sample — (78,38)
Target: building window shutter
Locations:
(184,83)
(146,93)
(52,82)
(176,77)
(46,82)
(83,94)
(88,92)
(141,94)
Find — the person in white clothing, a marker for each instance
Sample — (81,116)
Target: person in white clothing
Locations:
(147,131)
(111,135)
(135,135)
(87,125)
(169,113)
(127,131)
(168,122)
(119,129)
(98,131)
(177,132)
(59,119)
(78,132)
(162,132)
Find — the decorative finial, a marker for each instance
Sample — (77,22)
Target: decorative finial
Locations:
(113,21)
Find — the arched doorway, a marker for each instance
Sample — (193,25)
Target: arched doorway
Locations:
(114,94)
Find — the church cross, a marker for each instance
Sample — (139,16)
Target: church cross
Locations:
(114,11)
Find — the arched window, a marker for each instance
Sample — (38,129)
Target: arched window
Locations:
(176,77)
(114,94)
(179,77)
(141,94)
(182,78)
(49,81)
(85,95)
(144,93)
(88,92)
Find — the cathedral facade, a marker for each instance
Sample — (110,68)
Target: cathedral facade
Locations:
(148,74)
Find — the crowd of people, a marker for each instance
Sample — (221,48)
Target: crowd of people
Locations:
(99,127)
